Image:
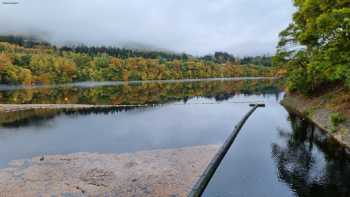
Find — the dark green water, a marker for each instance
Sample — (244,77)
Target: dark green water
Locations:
(276,153)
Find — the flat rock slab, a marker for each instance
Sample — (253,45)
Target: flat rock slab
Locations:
(148,173)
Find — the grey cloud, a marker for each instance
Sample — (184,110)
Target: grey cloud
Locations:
(243,27)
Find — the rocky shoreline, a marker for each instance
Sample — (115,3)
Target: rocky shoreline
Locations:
(316,111)
(155,173)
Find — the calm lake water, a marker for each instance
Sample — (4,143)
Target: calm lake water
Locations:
(275,154)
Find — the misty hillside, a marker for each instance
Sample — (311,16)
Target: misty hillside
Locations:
(135,50)
(30,61)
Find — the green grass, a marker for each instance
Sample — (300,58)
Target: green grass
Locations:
(336,119)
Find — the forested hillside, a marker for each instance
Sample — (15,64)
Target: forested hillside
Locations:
(28,62)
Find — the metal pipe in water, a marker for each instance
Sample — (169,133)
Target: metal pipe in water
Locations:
(205,178)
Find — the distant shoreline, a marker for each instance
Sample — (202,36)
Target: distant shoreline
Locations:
(86,84)
(8,108)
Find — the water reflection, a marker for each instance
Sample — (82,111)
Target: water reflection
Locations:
(140,93)
(40,116)
(311,163)
(174,121)
(158,93)
(304,161)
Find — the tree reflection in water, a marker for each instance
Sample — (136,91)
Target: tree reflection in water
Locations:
(139,93)
(311,163)
(40,116)
(123,94)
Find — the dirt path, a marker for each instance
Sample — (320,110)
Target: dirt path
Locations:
(158,173)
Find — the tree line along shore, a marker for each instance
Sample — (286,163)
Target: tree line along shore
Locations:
(24,62)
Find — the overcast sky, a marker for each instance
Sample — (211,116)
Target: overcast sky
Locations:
(241,27)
